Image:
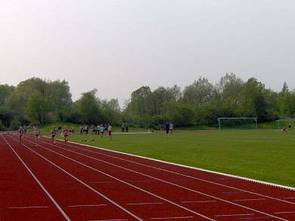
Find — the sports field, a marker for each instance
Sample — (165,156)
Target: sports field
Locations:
(266,155)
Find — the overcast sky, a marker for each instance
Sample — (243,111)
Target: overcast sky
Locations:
(117,46)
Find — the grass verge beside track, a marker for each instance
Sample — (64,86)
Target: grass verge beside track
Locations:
(267,155)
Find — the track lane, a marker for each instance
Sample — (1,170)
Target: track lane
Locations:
(22,196)
(282,206)
(146,205)
(277,193)
(231,209)
(76,199)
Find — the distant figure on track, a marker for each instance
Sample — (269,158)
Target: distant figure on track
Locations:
(21,131)
(37,134)
(66,134)
(53,134)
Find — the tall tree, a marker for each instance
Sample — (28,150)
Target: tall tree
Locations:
(200,92)
(87,108)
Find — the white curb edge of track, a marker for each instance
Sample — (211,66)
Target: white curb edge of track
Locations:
(189,167)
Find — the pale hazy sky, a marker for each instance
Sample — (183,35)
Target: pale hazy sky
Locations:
(117,46)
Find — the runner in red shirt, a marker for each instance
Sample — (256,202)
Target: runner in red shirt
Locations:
(66,134)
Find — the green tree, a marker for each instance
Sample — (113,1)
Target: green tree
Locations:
(37,108)
(199,93)
(87,109)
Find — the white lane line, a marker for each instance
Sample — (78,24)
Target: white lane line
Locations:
(254,218)
(134,133)
(95,151)
(231,192)
(289,198)
(111,182)
(232,215)
(286,212)
(246,200)
(173,217)
(39,182)
(28,207)
(102,182)
(85,205)
(83,183)
(144,203)
(108,220)
(200,201)
(161,180)
(122,181)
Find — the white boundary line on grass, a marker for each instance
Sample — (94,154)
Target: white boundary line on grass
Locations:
(189,167)
(133,133)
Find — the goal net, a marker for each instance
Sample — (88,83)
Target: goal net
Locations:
(285,123)
(237,122)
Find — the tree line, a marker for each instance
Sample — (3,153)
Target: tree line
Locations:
(38,101)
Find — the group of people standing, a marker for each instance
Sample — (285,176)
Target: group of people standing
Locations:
(98,130)
(169,127)
(124,127)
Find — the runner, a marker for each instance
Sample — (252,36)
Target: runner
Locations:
(21,133)
(37,134)
(53,134)
(66,134)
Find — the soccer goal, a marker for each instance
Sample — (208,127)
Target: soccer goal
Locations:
(285,123)
(237,122)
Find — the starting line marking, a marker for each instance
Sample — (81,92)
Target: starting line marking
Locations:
(200,201)
(108,220)
(28,207)
(144,203)
(287,212)
(175,217)
(90,205)
(102,182)
(245,200)
(242,214)
(289,198)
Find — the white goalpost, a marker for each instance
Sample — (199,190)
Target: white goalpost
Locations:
(237,121)
(285,123)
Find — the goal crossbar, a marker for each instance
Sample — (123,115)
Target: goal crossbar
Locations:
(219,119)
(289,120)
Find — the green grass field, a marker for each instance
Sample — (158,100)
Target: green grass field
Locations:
(267,155)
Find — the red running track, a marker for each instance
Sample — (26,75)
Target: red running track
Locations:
(75,182)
